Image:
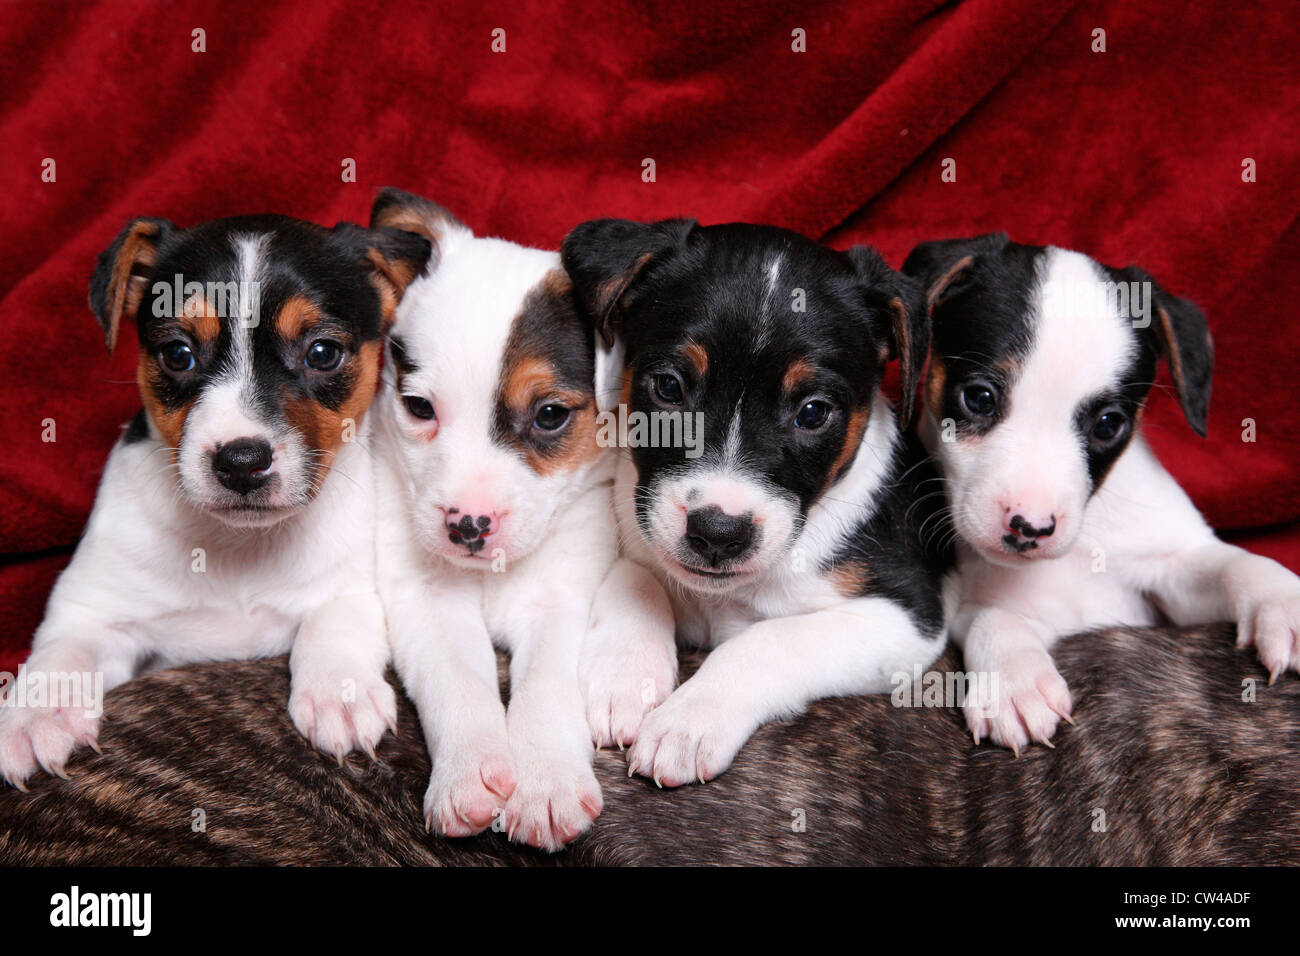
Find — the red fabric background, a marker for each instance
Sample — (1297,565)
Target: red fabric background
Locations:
(1133,155)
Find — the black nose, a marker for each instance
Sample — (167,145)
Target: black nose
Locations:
(1026,530)
(241,465)
(717,536)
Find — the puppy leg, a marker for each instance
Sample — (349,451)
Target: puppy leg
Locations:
(444,656)
(1218,581)
(339,698)
(557,796)
(629,657)
(771,670)
(1029,696)
(74,661)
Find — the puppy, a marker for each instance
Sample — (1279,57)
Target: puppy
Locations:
(794,542)
(496,524)
(235,515)
(1042,361)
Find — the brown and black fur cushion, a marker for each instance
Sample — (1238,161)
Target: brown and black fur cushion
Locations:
(1168,765)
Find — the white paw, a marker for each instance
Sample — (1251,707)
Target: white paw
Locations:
(468,788)
(1272,624)
(689,737)
(1029,701)
(32,737)
(554,802)
(340,713)
(621,684)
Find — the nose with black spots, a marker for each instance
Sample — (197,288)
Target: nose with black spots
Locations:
(469,531)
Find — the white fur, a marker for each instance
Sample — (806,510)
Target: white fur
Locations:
(781,635)
(1136,548)
(531,590)
(158,580)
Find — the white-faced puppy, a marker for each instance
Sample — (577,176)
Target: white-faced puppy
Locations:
(496,524)
(235,518)
(1041,363)
(794,542)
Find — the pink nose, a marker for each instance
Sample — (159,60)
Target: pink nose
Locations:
(468,529)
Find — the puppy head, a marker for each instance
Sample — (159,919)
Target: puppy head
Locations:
(493,404)
(260,340)
(1041,362)
(770,344)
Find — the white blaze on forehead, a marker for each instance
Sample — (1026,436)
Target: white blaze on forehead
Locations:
(1081,344)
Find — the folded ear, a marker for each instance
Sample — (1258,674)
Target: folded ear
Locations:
(942,264)
(901,320)
(605,257)
(396,258)
(123,272)
(1182,336)
(395,209)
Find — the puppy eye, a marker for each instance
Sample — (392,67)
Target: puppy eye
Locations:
(668,388)
(176,357)
(1109,426)
(324,355)
(551,417)
(813,415)
(979,400)
(420,408)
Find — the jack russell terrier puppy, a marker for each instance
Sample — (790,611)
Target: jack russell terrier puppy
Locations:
(794,542)
(1041,364)
(496,525)
(235,518)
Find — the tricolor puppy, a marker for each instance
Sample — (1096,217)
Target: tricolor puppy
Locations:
(496,525)
(794,542)
(235,518)
(1042,361)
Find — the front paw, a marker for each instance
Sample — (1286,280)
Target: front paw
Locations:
(621,684)
(32,737)
(468,788)
(555,801)
(1028,701)
(340,713)
(1272,624)
(689,737)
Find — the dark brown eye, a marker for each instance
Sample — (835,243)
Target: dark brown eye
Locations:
(668,388)
(551,417)
(1109,426)
(420,408)
(979,400)
(324,355)
(813,415)
(176,357)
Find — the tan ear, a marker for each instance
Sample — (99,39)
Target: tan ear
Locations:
(397,258)
(934,294)
(122,273)
(395,209)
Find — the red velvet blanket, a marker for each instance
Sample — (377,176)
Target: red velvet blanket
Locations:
(1134,154)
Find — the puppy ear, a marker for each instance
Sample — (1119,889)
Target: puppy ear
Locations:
(941,265)
(395,209)
(901,320)
(397,258)
(604,257)
(1182,335)
(123,272)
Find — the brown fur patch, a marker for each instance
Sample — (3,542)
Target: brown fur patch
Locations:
(698,356)
(935,381)
(296,316)
(321,427)
(857,427)
(126,289)
(201,320)
(850,578)
(800,371)
(170,422)
(530,379)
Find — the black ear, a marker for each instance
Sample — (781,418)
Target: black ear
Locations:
(394,259)
(395,209)
(603,258)
(1180,333)
(901,319)
(123,272)
(942,264)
